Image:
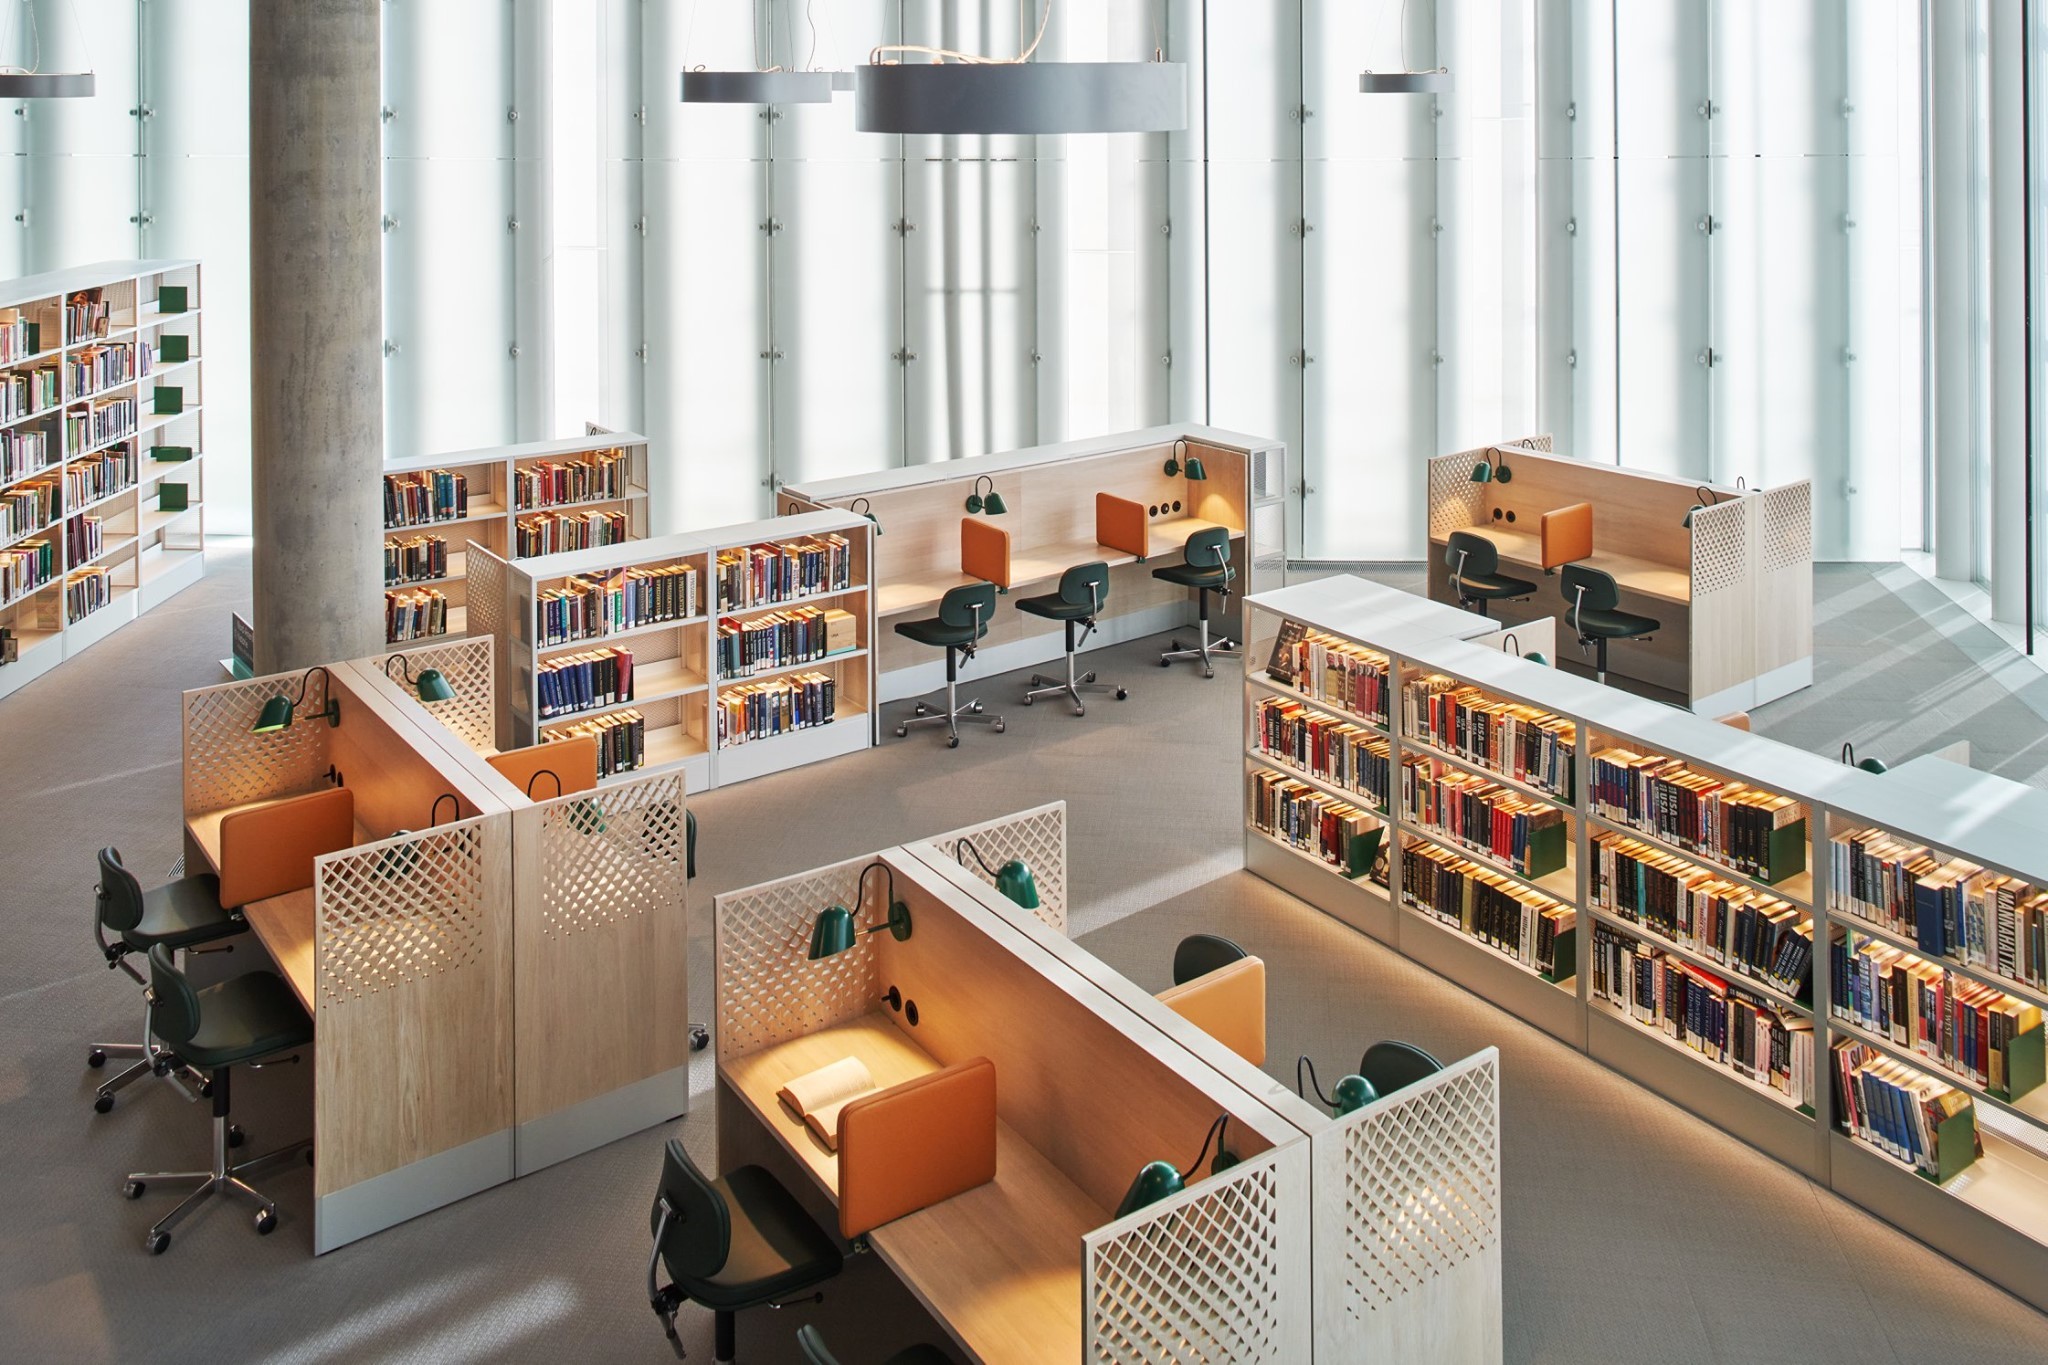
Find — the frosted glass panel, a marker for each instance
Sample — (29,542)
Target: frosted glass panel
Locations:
(1664,331)
(1255,291)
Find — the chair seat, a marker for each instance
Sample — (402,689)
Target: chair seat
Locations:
(1053,607)
(777,1248)
(1193,576)
(245,1018)
(931,630)
(1612,625)
(1494,585)
(183,912)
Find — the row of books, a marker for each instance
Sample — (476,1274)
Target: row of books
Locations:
(621,740)
(583,682)
(99,476)
(28,507)
(24,452)
(26,566)
(87,314)
(1527,834)
(1758,833)
(101,367)
(25,391)
(1334,671)
(415,560)
(1748,931)
(84,538)
(99,423)
(588,606)
(427,496)
(1723,1023)
(1505,737)
(759,644)
(778,706)
(1908,1115)
(18,338)
(758,575)
(415,615)
(558,531)
(1977,1031)
(1345,836)
(551,483)
(86,591)
(1949,907)
(1341,753)
(1534,929)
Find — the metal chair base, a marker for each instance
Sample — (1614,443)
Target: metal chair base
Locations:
(224,1178)
(1599,643)
(1206,651)
(955,714)
(1074,685)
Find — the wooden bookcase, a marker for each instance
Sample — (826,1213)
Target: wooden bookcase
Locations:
(102,502)
(678,691)
(498,485)
(1763,863)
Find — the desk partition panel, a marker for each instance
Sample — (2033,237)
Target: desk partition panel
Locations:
(227,766)
(1038,837)
(468,668)
(768,989)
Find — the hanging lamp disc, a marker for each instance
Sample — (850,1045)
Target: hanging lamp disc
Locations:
(760,87)
(1436,82)
(1022,98)
(46,85)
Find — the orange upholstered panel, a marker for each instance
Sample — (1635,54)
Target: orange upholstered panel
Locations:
(912,1145)
(270,850)
(984,551)
(1120,524)
(574,760)
(1228,1004)
(1567,534)
(1738,720)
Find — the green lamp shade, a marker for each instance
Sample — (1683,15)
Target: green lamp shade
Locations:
(876,520)
(1156,1180)
(1351,1093)
(433,686)
(1873,765)
(1687,523)
(1535,658)
(1195,472)
(833,933)
(275,716)
(1014,880)
(994,504)
(1482,472)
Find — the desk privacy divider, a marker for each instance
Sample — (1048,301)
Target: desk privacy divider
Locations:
(1037,837)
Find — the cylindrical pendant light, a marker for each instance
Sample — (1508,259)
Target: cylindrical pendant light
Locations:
(763,87)
(1437,82)
(30,85)
(1021,98)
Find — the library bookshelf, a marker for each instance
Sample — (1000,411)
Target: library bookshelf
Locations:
(1824,962)
(102,501)
(545,497)
(750,646)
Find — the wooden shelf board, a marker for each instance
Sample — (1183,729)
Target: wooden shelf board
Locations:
(595,641)
(630,495)
(457,572)
(1798,889)
(748,609)
(2031,1107)
(1321,784)
(1423,746)
(145,318)
(110,547)
(2008,1184)
(150,522)
(478,511)
(27,593)
(51,468)
(663,680)
(841,715)
(1313,861)
(149,471)
(101,501)
(806,666)
(39,358)
(1701,960)
(47,528)
(107,444)
(1523,550)
(153,421)
(158,560)
(37,415)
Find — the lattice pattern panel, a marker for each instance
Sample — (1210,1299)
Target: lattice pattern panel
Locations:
(611,856)
(406,908)
(226,765)
(484,574)
(1421,1184)
(466,664)
(1786,523)
(769,990)
(1454,500)
(1720,547)
(1197,1284)
(1038,837)
(1543,443)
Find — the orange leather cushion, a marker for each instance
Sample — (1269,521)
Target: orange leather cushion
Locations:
(984,552)
(1228,1004)
(1738,720)
(270,850)
(1567,534)
(1120,524)
(912,1145)
(574,760)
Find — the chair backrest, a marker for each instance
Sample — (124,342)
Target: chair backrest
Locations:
(1200,954)
(813,1345)
(1209,548)
(174,1005)
(1391,1065)
(698,1237)
(1466,552)
(1086,585)
(1587,588)
(119,898)
(968,605)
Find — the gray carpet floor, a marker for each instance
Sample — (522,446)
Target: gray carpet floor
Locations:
(1633,1231)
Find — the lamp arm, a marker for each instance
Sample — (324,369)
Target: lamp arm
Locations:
(1217,1131)
(538,774)
(404,668)
(860,894)
(1304,1060)
(1508,641)
(968,845)
(434,816)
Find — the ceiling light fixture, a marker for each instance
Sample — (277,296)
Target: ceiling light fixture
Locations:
(31,81)
(1405,82)
(765,84)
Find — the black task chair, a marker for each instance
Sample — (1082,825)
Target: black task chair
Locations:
(235,1023)
(740,1241)
(1596,615)
(1082,591)
(817,1353)
(963,618)
(1391,1065)
(1207,569)
(1200,954)
(180,914)
(1474,562)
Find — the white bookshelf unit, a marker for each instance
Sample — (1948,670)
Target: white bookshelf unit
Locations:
(1696,858)
(679,693)
(102,506)
(510,504)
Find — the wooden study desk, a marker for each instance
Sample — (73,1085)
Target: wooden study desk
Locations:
(1521,553)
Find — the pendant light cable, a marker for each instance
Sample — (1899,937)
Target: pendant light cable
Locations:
(940,54)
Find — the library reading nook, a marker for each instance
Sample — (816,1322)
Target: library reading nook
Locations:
(822,682)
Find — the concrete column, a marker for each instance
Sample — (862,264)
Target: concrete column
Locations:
(316,322)
(2008,315)
(1952,33)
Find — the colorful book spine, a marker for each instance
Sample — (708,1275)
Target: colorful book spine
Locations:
(760,644)
(1534,929)
(621,740)
(1506,738)
(780,706)
(415,615)
(583,682)
(1346,836)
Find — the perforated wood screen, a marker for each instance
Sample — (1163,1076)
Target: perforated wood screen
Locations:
(486,578)
(612,856)
(1786,516)
(1038,837)
(225,765)
(768,989)
(409,908)
(466,664)
(1720,547)
(1454,500)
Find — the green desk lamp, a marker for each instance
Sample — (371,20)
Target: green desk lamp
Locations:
(992,504)
(1180,462)
(1492,469)
(1157,1180)
(1869,765)
(1508,642)
(836,930)
(1351,1092)
(279,712)
(402,858)
(1708,499)
(1013,878)
(585,816)
(430,684)
(866,509)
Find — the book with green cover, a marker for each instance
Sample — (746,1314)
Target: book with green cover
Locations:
(169,400)
(171,497)
(174,349)
(170,454)
(170,298)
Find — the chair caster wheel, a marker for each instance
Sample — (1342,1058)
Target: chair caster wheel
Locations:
(96,1058)
(952,741)
(922,710)
(236,1137)
(103,1104)
(1027,702)
(902,730)
(206,1090)
(1166,663)
(1208,672)
(133,1189)
(1080,710)
(1122,694)
(700,1037)
(157,1243)
(975,707)
(266,1222)
(999,727)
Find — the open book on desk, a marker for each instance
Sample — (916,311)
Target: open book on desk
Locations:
(816,1097)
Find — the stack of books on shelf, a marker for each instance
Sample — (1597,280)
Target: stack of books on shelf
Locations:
(1978,1032)
(758,644)
(25,567)
(87,314)
(1748,931)
(1345,836)
(25,391)
(102,367)
(1510,739)
(27,507)
(1723,1023)
(621,740)
(415,615)
(1530,927)
(1331,670)
(23,452)
(551,483)
(558,531)
(84,538)
(649,596)
(100,476)
(1341,753)
(583,682)
(428,496)
(574,611)
(416,560)
(17,339)
(779,706)
(1527,834)
(1949,907)
(1911,1117)
(1758,833)
(758,575)
(96,424)
(86,591)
